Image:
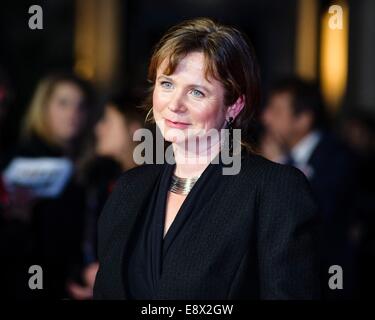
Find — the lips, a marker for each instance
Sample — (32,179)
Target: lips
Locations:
(180,122)
(176,124)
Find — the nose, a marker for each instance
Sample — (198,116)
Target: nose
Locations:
(177,103)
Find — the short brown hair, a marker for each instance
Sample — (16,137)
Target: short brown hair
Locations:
(229,57)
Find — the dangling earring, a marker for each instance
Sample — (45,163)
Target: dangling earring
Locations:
(147,115)
(230,127)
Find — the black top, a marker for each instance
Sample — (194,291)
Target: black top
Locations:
(143,266)
(252,237)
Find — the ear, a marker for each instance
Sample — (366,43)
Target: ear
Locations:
(235,108)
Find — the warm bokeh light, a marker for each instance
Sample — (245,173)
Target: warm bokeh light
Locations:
(334,58)
(84,39)
(97,40)
(307,39)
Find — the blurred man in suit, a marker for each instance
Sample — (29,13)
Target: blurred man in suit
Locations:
(296,134)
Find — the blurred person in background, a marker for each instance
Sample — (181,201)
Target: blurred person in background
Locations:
(50,227)
(56,118)
(114,154)
(296,134)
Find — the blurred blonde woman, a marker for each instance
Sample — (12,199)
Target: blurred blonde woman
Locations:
(52,129)
(56,116)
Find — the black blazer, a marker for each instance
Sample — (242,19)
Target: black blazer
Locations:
(256,238)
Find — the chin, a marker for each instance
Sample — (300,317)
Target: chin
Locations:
(174,135)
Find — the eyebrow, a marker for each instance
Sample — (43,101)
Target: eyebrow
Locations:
(190,85)
(164,77)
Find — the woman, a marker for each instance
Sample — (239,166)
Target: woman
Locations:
(53,126)
(114,155)
(185,230)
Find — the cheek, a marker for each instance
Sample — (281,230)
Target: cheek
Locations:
(53,113)
(103,131)
(208,116)
(158,101)
(55,118)
(60,117)
(113,131)
(110,139)
(287,121)
(277,120)
(267,117)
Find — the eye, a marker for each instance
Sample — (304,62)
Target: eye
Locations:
(63,102)
(166,84)
(196,93)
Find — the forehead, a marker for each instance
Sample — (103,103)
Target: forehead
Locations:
(281,100)
(110,108)
(66,87)
(192,67)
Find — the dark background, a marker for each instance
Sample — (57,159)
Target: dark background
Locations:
(26,55)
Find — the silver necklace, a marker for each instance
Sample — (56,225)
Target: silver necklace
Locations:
(182,185)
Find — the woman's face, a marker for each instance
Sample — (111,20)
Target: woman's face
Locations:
(186,100)
(65,112)
(112,134)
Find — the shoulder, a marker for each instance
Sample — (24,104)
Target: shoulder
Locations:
(278,189)
(139,175)
(143,171)
(284,194)
(134,180)
(277,185)
(265,172)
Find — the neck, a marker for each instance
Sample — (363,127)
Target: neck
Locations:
(66,146)
(191,163)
